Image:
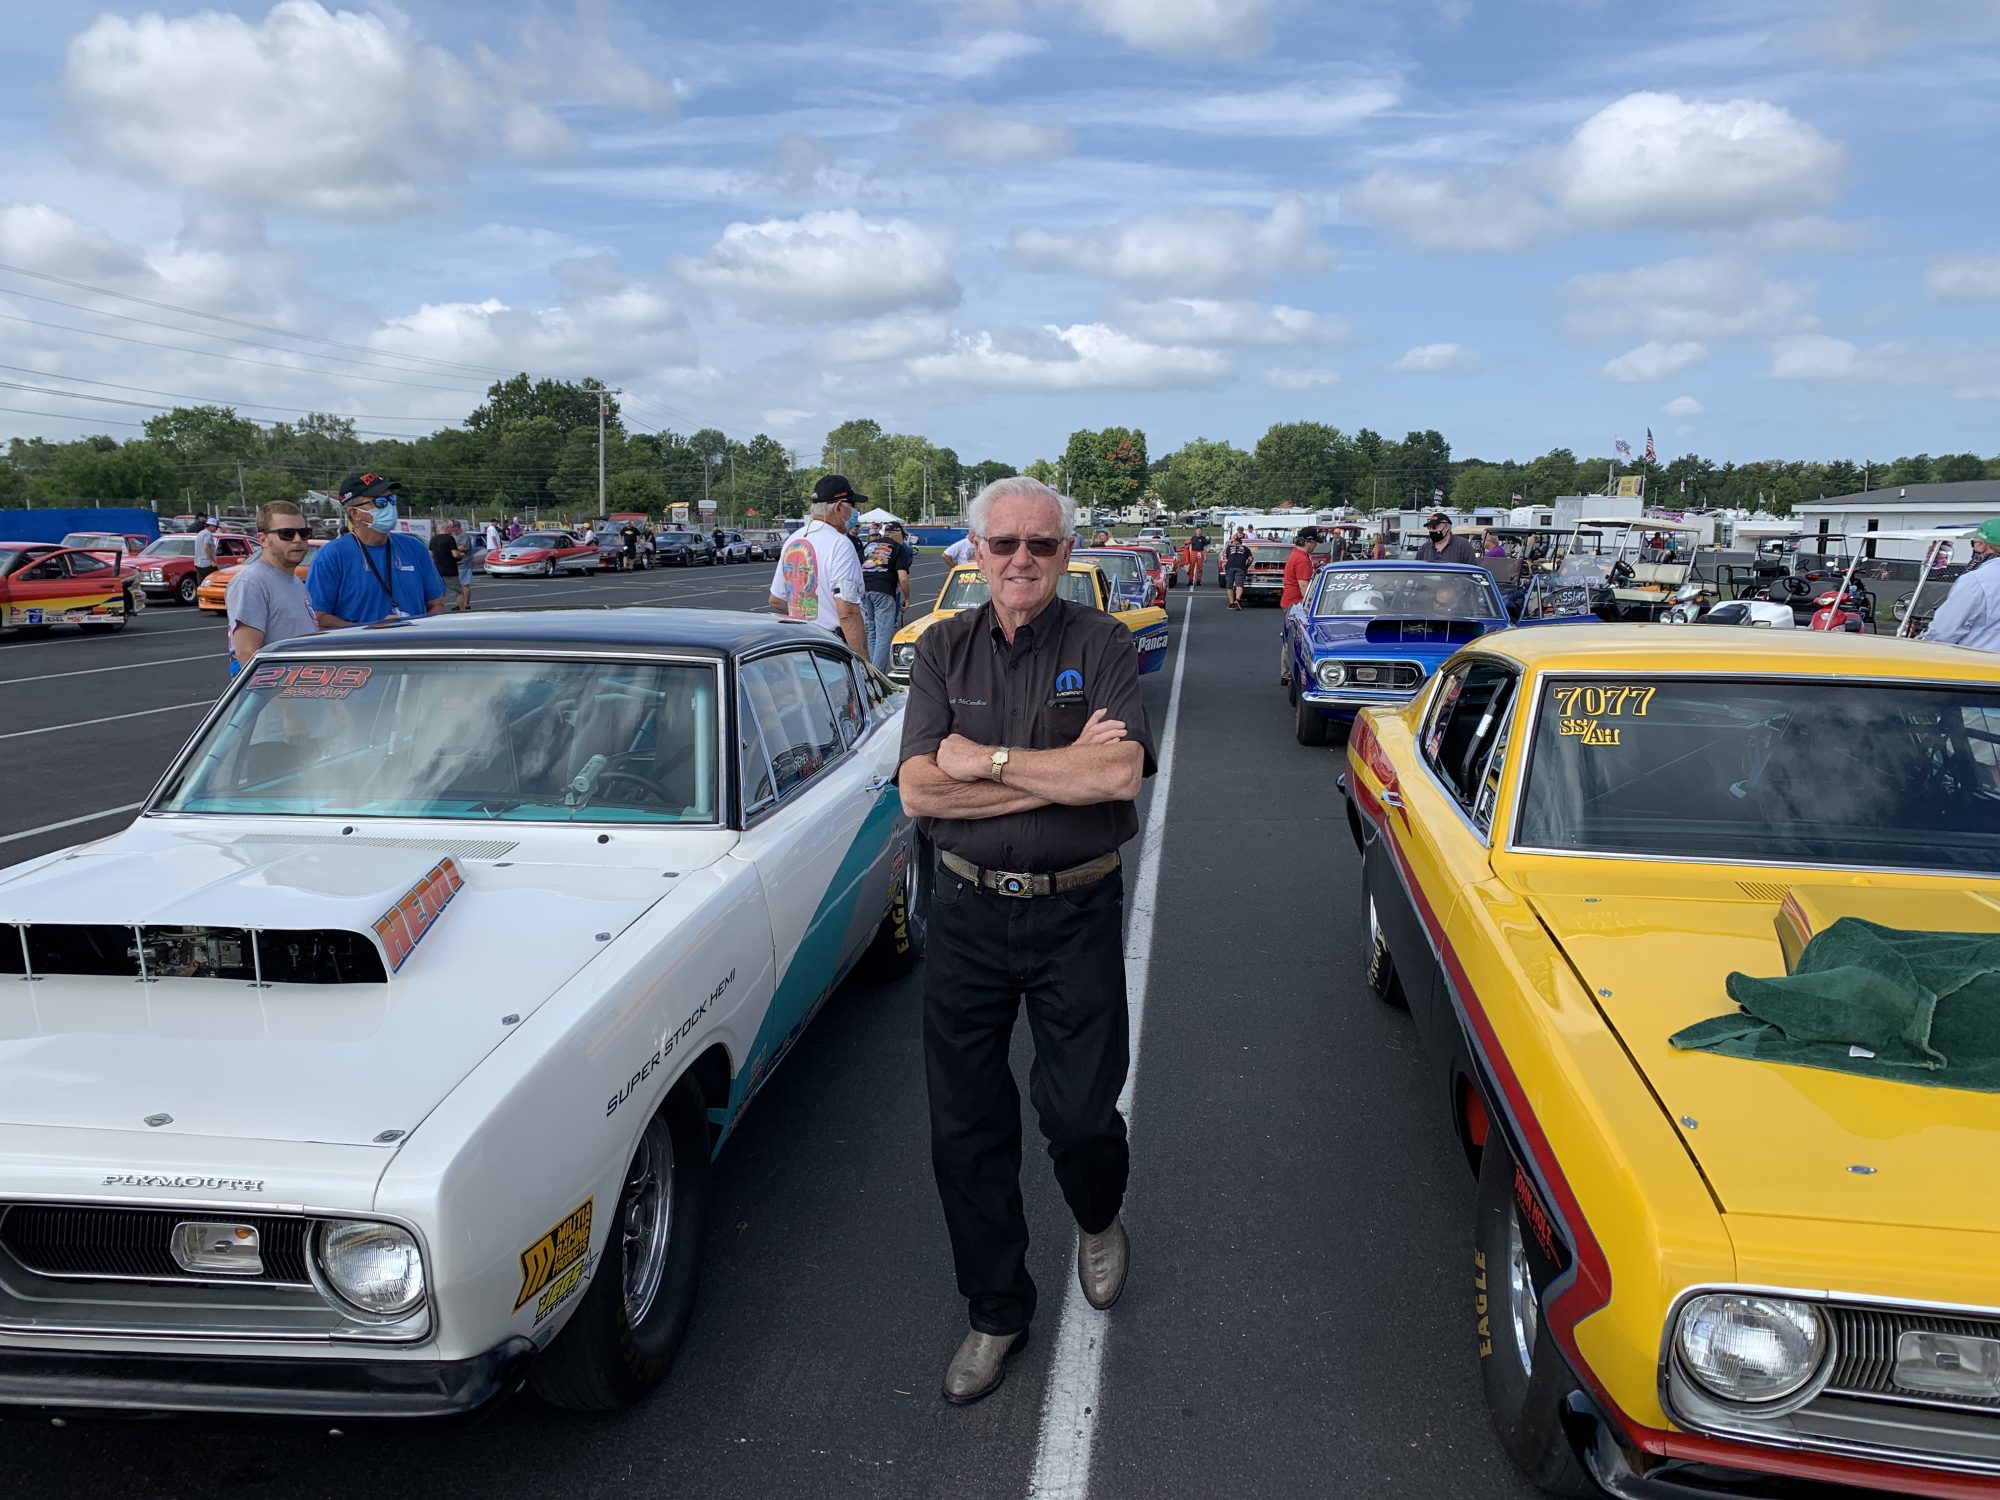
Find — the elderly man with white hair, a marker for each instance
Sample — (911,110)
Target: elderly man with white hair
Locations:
(1024,747)
(819,573)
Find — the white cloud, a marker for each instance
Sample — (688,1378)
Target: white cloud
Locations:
(1203,29)
(1659,159)
(1081,357)
(1436,214)
(574,59)
(1684,406)
(826,266)
(1655,361)
(1437,359)
(972,134)
(1814,356)
(1301,380)
(309,110)
(633,325)
(882,339)
(1197,320)
(1703,298)
(1965,278)
(1862,32)
(1325,107)
(1194,251)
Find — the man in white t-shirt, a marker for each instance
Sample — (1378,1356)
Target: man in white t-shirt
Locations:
(492,536)
(819,572)
(961,552)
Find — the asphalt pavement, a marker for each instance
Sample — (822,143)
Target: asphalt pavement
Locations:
(1298,1320)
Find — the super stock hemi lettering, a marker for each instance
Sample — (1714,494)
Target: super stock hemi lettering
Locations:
(666,1048)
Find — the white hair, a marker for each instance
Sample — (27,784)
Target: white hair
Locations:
(1019,486)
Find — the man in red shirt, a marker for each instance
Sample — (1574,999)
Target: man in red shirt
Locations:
(1299,569)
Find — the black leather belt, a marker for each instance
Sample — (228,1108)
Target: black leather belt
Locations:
(1024,884)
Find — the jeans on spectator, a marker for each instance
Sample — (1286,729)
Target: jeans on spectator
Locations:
(882,614)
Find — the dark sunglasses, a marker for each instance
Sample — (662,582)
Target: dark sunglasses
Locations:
(1038,546)
(289,533)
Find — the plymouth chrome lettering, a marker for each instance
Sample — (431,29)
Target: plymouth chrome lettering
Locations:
(161,1180)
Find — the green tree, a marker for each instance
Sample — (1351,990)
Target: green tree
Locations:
(567,403)
(978,476)
(1553,474)
(524,460)
(1044,471)
(906,495)
(1957,467)
(1300,463)
(1479,487)
(637,489)
(1211,473)
(84,471)
(1424,462)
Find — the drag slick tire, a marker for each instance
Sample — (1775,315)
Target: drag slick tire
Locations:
(1520,1369)
(622,1339)
(899,942)
(1308,723)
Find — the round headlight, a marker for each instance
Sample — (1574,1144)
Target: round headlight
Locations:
(904,654)
(374,1267)
(1750,1349)
(1331,674)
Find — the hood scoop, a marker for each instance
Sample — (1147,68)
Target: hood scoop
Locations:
(299,956)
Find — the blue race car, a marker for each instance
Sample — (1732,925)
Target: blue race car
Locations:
(1369,633)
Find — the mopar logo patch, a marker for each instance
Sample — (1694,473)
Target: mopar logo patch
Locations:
(1069,688)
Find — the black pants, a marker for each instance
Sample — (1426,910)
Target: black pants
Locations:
(1063,955)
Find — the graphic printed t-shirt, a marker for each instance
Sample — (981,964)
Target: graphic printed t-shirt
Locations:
(363,585)
(818,566)
(882,558)
(1236,558)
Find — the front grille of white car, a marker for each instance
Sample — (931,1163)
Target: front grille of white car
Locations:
(65,1242)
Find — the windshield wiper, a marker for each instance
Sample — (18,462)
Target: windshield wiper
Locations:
(493,807)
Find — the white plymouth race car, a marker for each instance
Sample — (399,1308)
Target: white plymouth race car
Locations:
(378,1065)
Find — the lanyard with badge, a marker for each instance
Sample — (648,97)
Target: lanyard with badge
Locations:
(389,556)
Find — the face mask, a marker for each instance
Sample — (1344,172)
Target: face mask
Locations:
(1437,536)
(383,516)
(853,523)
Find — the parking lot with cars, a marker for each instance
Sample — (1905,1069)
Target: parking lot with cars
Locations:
(1290,1196)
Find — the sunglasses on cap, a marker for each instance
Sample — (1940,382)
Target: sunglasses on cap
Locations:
(289,533)
(1038,546)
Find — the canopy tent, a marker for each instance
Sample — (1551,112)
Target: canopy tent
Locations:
(878,514)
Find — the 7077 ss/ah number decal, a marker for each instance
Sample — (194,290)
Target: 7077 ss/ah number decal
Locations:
(1581,709)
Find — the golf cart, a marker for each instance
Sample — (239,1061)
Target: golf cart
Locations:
(1645,579)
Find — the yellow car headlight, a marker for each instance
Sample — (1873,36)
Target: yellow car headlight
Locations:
(1749,1350)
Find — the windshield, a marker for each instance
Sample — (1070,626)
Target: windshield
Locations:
(1119,567)
(968,591)
(1405,591)
(542,539)
(94,539)
(171,546)
(1822,772)
(460,738)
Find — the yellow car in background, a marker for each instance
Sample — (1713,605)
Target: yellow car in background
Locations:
(965,588)
(1702,1266)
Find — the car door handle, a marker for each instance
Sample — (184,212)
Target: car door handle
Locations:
(875,784)
(1392,798)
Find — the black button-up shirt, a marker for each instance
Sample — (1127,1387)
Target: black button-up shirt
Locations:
(1033,693)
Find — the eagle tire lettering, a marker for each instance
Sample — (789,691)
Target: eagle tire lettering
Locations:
(1482,1325)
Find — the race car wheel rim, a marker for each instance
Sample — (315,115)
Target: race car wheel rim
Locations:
(649,1219)
(1523,1314)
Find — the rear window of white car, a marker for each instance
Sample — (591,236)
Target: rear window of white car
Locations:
(478,739)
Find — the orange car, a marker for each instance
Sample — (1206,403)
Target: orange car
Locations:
(212,595)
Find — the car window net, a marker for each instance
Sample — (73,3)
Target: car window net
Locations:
(1817,773)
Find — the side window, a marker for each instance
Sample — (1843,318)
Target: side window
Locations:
(81,563)
(753,762)
(800,734)
(45,571)
(1465,740)
(845,695)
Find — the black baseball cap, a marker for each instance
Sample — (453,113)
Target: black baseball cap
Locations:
(1438,517)
(357,487)
(833,489)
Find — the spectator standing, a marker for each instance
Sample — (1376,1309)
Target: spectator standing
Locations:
(445,553)
(204,550)
(1494,546)
(1024,748)
(818,577)
(492,536)
(1298,578)
(1970,614)
(266,601)
(1443,547)
(374,572)
(1236,568)
(1100,538)
(1198,553)
(961,552)
(885,581)
(628,547)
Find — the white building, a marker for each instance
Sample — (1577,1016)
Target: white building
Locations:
(1913,507)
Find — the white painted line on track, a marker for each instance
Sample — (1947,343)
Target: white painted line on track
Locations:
(128,666)
(1071,1408)
(109,812)
(207,622)
(171,708)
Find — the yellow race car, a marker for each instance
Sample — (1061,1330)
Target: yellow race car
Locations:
(1716,1249)
(965,588)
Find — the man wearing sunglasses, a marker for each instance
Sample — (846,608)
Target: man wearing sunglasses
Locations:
(1024,746)
(266,600)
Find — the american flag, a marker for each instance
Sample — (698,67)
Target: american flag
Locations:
(1651,456)
(1622,448)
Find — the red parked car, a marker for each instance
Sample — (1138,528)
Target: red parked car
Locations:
(129,543)
(42,585)
(166,569)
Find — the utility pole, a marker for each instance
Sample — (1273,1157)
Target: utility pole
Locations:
(242,501)
(603,404)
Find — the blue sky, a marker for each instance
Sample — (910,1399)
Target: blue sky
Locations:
(1759,227)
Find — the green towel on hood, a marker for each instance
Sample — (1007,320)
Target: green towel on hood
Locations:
(1922,1007)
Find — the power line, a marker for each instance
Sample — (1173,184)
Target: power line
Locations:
(240,359)
(219,401)
(234,322)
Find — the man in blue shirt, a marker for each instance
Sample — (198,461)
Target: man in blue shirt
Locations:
(374,572)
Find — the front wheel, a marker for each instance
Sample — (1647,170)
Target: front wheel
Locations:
(1308,723)
(1525,1380)
(184,591)
(622,1340)
(899,942)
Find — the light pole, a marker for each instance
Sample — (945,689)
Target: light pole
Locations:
(603,405)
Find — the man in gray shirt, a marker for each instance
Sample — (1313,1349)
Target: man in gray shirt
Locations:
(1443,547)
(267,600)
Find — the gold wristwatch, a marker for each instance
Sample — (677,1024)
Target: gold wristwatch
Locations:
(999,763)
